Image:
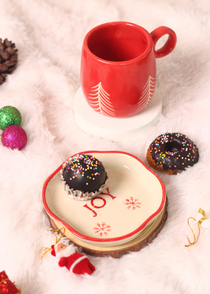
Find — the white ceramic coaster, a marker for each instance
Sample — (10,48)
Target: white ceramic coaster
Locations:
(116,129)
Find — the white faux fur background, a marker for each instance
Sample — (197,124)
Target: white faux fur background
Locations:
(49,35)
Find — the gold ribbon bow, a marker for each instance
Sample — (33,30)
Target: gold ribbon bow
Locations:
(47,249)
(199,222)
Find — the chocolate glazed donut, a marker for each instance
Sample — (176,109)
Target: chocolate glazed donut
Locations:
(172,153)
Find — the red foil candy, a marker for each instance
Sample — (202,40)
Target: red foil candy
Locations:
(6,286)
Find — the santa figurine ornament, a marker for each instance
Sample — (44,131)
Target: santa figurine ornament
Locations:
(68,257)
(75,262)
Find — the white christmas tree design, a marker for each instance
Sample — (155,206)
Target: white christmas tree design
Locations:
(99,100)
(147,93)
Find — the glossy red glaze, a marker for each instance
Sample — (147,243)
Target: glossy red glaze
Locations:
(118,68)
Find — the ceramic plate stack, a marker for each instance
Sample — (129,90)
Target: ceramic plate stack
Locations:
(127,215)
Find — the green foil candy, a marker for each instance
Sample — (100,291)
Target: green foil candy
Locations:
(9,116)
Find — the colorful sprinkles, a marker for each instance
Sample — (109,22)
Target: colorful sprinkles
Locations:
(83,173)
(174,151)
(74,164)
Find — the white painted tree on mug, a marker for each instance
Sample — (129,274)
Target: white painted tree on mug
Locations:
(100,101)
(147,93)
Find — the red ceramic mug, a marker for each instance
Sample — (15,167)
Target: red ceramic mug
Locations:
(118,66)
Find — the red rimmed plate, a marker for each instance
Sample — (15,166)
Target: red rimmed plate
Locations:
(133,198)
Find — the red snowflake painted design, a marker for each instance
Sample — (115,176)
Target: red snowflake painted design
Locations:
(132,203)
(102,229)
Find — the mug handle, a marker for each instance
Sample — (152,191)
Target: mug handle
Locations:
(170,43)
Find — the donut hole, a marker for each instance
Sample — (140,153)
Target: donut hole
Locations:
(173,146)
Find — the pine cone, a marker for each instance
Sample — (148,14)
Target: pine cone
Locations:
(8,59)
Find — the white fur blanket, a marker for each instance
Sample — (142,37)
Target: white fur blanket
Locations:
(49,35)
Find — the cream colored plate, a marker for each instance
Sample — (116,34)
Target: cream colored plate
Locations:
(133,198)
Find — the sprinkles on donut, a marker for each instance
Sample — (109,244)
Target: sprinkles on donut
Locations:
(172,153)
(83,176)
